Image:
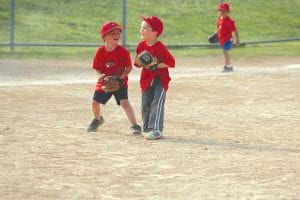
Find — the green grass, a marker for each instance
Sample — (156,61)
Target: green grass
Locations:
(259,50)
(186,22)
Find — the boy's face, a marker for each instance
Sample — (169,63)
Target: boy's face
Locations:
(223,13)
(113,36)
(147,32)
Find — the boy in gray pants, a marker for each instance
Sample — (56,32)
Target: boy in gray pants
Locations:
(154,83)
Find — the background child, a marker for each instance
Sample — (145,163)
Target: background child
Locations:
(154,84)
(226,29)
(112,59)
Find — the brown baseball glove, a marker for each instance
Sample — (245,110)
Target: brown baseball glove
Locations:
(112,83)
(146,60)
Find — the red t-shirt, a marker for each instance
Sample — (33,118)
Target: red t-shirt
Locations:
(112,63)
(162,54)
(225,28)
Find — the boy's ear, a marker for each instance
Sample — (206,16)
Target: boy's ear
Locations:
(155,32)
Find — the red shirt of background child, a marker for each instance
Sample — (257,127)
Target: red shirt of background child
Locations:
(227,33)
(225,28)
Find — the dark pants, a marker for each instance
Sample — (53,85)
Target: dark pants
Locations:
(103,97)
(153,101)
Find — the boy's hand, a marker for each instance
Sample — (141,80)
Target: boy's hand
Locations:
(101,77)
(237,43)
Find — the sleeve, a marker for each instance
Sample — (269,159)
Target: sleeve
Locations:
(233,27)
(97,60)
(128,62)
(166,57)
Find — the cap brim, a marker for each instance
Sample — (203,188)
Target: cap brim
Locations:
(114,28)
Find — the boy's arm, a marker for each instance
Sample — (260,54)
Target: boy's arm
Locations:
(236,38)
(100,75)
(126,72)
(128,65)
(162,65)
(168,60)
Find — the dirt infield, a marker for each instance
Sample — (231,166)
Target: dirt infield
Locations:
(227,136)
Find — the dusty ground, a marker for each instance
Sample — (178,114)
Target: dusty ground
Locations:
(227,136)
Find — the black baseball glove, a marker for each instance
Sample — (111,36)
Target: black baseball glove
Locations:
(146,60)
(213,38)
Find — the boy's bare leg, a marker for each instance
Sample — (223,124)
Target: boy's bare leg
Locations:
(96,109)
(98,120)
(227,58)
(136,129)
(128,110)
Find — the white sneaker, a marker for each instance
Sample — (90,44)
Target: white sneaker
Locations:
(153,135)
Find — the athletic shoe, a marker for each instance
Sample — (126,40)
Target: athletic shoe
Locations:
(227,69)
(154,135)
(93,127)
(136,129)
(146,131)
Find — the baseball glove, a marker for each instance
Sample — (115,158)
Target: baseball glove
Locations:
(112,83)
(146,60)
(213,38)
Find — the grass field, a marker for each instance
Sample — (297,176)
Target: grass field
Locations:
(186,22)
(262,50)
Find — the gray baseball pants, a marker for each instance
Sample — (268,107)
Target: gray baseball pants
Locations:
(153,101)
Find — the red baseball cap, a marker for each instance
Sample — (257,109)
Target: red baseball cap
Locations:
(109,26)
(223,6)
(155,23)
